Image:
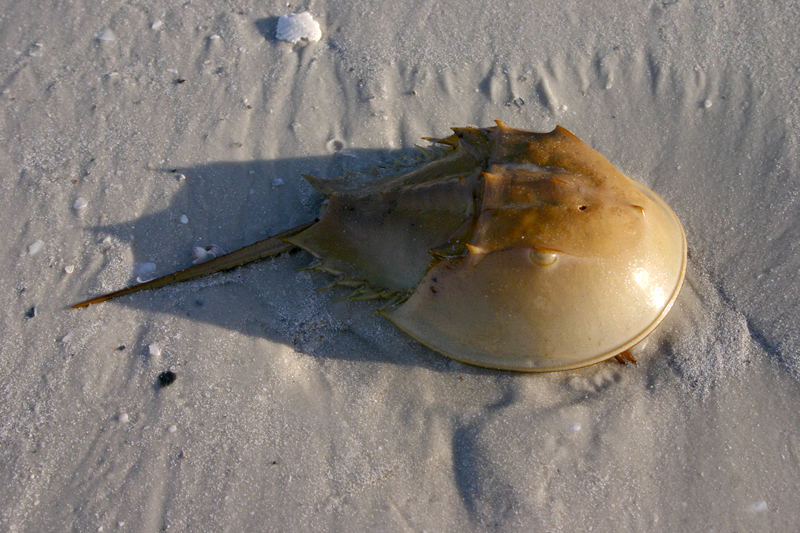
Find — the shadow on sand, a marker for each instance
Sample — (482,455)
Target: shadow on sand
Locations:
(233,204)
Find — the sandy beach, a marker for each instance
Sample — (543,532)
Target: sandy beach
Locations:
(132,132)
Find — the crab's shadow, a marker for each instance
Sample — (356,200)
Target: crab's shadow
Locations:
(233,204)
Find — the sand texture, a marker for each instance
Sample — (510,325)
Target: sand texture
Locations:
(134,131)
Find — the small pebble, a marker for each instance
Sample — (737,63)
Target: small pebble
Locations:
(36,247)
(575,427)
(154,350)
(106,35)
(277,182)
(184,219)
(68,337)
(123,418)
(156,25)
(165,379)
(172,428)
(69,269)
(707,104)
(31,312)
(214,37)
(79,204)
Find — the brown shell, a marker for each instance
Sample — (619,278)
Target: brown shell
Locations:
(517,250)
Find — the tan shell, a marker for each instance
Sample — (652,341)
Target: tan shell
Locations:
(509,249)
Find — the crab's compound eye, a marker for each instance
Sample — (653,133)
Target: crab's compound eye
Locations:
(543,257)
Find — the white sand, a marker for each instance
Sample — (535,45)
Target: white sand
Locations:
(292,413)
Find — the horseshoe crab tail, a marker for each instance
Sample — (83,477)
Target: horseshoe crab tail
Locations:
(255,252)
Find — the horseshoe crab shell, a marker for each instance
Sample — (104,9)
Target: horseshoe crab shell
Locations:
(509,249)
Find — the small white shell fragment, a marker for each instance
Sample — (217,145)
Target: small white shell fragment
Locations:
(69,269)
(708,103)
(575,427)
(37,50)
(156,25)
(68,337)
(172,428)
(154,350)
(201,255)
(36,247)
(296,26)
(214,37)
(144,268)
(277,182)
(184,219)
(758,507)
(79,204)
(123,418)
(144,272)
(106,35)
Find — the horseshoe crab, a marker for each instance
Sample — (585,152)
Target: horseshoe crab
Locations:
(507,249)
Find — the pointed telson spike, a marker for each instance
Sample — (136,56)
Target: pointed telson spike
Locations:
(255,252)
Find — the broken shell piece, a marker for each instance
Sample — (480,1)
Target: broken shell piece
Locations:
(201,255)
(36,247)
(296,26)
(106,35)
